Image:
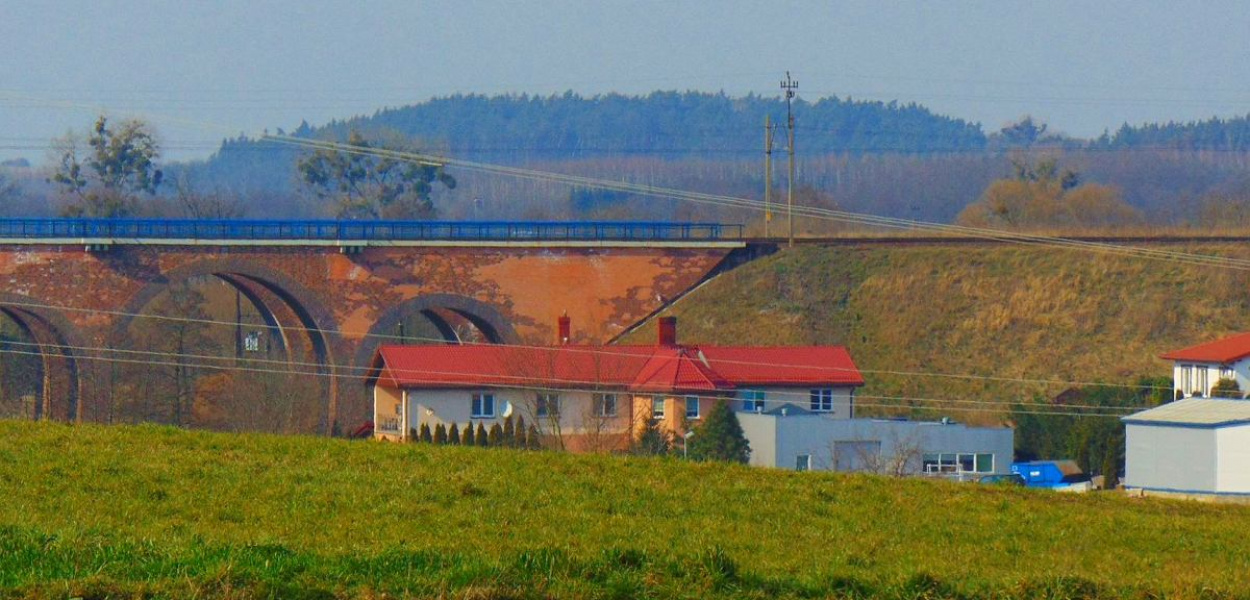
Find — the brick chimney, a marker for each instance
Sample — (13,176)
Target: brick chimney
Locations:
(668,331)
(565,328)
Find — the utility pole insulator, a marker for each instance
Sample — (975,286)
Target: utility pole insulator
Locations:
(789,86)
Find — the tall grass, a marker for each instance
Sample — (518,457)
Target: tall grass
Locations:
(997,311)
(93,511)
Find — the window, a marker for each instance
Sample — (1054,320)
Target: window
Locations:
(1226,372)
(605,405)
(962,462)
(692,407)
(803,462)
(1200,387)
(752,400)
(483,406)
(657,407)
(251,342)
(548,405)
(822,400)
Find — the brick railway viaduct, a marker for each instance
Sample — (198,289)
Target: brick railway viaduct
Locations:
(334,300)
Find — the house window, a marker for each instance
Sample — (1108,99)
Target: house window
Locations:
(803,462)
(1200,386)
(752,400)
(251,342)
(1187,378)
(958,462)
(483,406)
(547,405)
(605,405)
(822,400)
(692,407)
(657,407)
(1226,372)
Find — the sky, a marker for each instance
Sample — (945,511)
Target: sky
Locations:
(202,71)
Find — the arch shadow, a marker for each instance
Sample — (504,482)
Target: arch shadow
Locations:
(314,319)
(485,317)
(55,337)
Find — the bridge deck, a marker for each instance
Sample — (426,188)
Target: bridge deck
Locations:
(364,233)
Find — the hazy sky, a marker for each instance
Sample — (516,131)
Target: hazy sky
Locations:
(204,70)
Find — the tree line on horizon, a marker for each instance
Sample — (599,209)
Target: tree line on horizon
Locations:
(890,159)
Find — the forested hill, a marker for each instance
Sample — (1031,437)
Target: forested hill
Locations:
(1213,134)
(677,125)
(682,124)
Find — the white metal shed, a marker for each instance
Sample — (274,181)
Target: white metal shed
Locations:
(1198,446)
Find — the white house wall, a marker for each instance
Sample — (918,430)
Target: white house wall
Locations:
(1233,459)
(445,407)
(1164,457)
(1241,373)
(816,436)
(801,397)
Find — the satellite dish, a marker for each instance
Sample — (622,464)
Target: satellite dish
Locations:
(507,409)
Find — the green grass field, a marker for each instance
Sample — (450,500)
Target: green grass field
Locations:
(94,512)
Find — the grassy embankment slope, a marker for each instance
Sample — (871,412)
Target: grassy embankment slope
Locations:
(97,511)
(1000,311)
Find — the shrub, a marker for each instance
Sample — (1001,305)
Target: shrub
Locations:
(531,439)
(466,438)
(480,436)
(720,436)
(425,433)
(453,435)
(1226,388)
(518,439)
(495,436)
(509,432)
(440,434)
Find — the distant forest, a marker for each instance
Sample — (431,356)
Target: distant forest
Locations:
(886,158)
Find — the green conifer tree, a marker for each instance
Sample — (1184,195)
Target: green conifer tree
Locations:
(509,432)
(518,441)
(720,436)
(426,436)
(532,442)
(440,434)
(495,436)
(453,435)
(480,436)
(652,440)
(466,436)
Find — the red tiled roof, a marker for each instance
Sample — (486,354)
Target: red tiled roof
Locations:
(1226,350)
(637,368)
(783,365)
(673,369)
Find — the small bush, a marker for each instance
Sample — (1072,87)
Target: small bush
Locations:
(480,437)
(453,436)
(495,436)
(440,434)
(426,436)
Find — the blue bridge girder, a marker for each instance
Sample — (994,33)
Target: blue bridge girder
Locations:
(363,231)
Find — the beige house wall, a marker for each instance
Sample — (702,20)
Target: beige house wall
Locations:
(387,413)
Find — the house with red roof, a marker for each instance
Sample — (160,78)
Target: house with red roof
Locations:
(1197,369)
(587,397)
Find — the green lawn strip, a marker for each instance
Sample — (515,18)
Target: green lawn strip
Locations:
(157,510)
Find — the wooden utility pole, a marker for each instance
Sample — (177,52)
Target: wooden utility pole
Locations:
(769,129)
(789,85)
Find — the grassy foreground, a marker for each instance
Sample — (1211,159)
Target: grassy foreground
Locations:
(94,512)
(1000,311)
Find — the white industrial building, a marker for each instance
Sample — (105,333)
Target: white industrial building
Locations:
(1196,446)
(790,437)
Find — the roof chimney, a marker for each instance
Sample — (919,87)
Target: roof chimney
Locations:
(668,331)
(565,326)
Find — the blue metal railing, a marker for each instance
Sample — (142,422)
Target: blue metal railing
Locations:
(349,231)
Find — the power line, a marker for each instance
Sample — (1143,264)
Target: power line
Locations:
(543,384)
(626,350)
